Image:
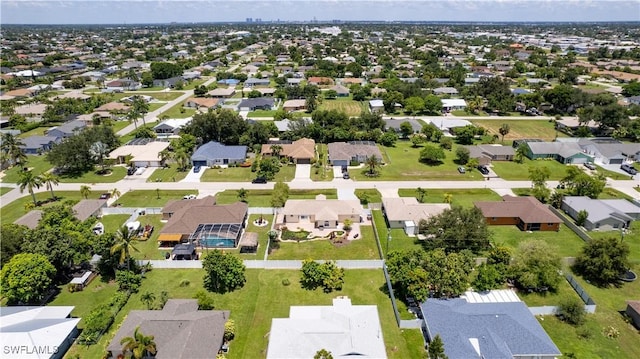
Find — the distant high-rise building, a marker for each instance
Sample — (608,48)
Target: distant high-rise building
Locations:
(249,19)
(258,19)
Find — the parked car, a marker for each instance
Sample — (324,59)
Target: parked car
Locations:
(259,180)
(483,169)
(461,169)
(629,169)
(589,165)
(196,169)
(131,171)
(189,196)
(346,175)
(105,196)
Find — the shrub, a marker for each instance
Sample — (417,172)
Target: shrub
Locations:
(229,330)
(184,283)
(98,320)
(128,281)
(571,310)
(611,332)
(286,282)
(205,301)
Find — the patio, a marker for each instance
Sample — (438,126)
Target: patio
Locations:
(305,224)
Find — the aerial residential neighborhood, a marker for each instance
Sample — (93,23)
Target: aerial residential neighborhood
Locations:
(290,189)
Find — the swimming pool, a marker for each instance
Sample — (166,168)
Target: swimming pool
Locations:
(215,242)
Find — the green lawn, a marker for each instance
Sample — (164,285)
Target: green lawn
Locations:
(151,198)
(542,129)
(244,174)
(613,175)
(179,111)
(344,104)
(4,190)
(459,197)
(588,341)
(402,164)
(117,173)
(612,193)
(113,222)
(362,248)
(38,131)
(369,195)
(158,95)
(262,113)
(131,135)
(549,298)
(193,84)
(148,249)
(513,171)
(38,164)
(632,238)
(324,172)
(119,125)
(262,198)
(399,239)
(16,209)
(96,293)
(167,174)
(565,241)
(264,289)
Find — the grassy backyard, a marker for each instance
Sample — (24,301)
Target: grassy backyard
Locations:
(565,242)
(113,222)
(542,129)
(151,198)
(38,164)
(344,104)
(402,164)
(264,289)
(362,248)
(244,174)
(17,208)
(179,111)
(261,113)
(148,249)
(262,198)
(399,241)
(514,171)
(167,174)
(459,197)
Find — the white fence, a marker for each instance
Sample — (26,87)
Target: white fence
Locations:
(260,264)
(553,310)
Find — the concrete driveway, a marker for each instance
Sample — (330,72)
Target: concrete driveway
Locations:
(303,173)
(192,176)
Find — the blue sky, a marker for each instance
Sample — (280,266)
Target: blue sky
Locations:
(163,11)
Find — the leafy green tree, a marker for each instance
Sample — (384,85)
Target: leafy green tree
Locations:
(631,89)
(311,104)
(389,138)
(165,70)
(432,155)
(26,278)
(49,179)
(223,272)
(579,183)
(242,195)
(405,129)
(140,345)
(462,155)
(489,277)
(205,301)
(603,260)
(279,195)
(465,135)
(229,330)
(499,255)
(432,105)
(124,244)
(521,152)
(11,149)
(326,275)
(323,354)
(504,130)
(571,310)
(582,217)
(29,181)
(414,105)
(417,139)
(536,266)
(457,228)
(539,175)
(268,167)
(330,94)
(13,235)
(436,348)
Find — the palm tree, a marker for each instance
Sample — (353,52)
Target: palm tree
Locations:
(521,150)
(98,152)
(276,150)
(147,298)
(421,193)
(115,193)
(504,130)
(182,158)
(448,198)
(242,195)
(165,155)
(141,107)
(139,345)
(373,163)
(49,179)
(132,116)
(85,191)
(124,244)
(11,149)
(29,181)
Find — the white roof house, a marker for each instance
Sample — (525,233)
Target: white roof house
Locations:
(343,329)
(453,103)
(142,155)
(36,332)
(406,212)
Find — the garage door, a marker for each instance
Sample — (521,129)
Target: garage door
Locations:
(579,160)
(200,163)
(304,161)
(616,161)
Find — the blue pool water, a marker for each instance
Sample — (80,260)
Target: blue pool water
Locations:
(217,242)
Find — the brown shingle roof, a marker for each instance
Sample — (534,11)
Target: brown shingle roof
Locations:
(300,149)
(88,207)
(30,219)
(186,220)
(528,209)
(174,206)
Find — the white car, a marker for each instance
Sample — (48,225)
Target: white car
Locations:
(189,196)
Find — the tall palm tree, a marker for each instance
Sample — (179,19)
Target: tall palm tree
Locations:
(98,152)
(11,148)
(49,179)
(165,155)
(504,130)
(182,158)
(132,116)
(448,198)
(85,191)
(373,163)
(139,345)
(115,193)
(124,244)
(276,150)
(147,298)
(141,107)
(29,181)
(242,195)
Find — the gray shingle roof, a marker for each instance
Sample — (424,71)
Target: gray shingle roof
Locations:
(600,209)
(501,330)
(257,102)
(215,150)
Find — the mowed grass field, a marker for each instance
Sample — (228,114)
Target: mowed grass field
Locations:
(348,106)
(542,129)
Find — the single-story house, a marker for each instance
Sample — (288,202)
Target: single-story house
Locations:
(180,330)
(376,106)
(171,126)
(322,212)
(445,91)
(563,152)
(266,91)
(222,92)
(491,325)
(525,212)
(67,129)
(344,329)
(37,332)
(34,145)
(447,124)
(21,93)
(252,82)
(168,83)
(610,151)
(487,153)
(31,219)
(294,105)
(143,155)
(319,81)
(301,151)
(344,153)
(294,81)
(394,123)
(341,90)
(259,103)
(118,107)
(31,112)
(202,102)
(203,223)
(452,104)
(603,214)
(633,311)
(123,85)
(89,208)
(406,212)
(214,153)
(573,124)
